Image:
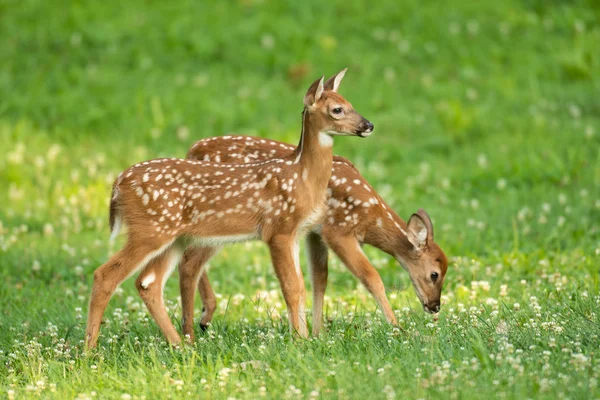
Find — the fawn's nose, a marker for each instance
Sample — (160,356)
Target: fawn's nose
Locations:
(433,307)
(366,127)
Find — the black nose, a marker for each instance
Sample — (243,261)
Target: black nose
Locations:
(364,129)
(434,306)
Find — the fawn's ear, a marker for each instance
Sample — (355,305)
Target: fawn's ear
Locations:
(314,93)
(420,230)
(425,217)
(333,83)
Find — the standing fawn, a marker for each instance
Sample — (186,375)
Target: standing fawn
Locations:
(356,214)
(171,204)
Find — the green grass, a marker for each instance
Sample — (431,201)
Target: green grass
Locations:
(487,115)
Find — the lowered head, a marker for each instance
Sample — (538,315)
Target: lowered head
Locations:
(425,261)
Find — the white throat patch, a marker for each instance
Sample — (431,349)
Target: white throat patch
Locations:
(325,140)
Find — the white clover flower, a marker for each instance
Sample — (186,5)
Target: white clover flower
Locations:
(503,290)
(48,229)
(39,162)
(183,132)
(389,392)
(267,41)
(389,74)
(15,193)
(589,131)
(504,28)
(473,27)
(472,95)
(454,28)
(482,160)
(575,111)
(404,46)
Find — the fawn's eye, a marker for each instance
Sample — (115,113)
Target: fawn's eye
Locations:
(434,276)
(337,110)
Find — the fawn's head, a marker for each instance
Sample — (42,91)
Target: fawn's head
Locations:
(331,113)
(426,263)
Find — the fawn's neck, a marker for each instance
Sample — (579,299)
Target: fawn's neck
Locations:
(314,154)
(388,233)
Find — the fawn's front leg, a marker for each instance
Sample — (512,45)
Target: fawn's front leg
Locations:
(317,257)
(284,255)
(351,254)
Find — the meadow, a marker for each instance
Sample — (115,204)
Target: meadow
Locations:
(487,115)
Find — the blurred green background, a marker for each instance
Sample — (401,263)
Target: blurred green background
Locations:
(487,114)
(488,104)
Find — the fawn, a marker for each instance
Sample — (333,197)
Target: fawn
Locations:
(356,214)
(171,204)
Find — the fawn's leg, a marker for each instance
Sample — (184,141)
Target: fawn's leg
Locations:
(349,251)
(283,248)
(317,257)
(209,302)
(190,271)
(150,285)
(134,256)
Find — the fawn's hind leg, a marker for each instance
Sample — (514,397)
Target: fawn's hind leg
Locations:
(209,301)
(317,256)
(134,256)
(150,285)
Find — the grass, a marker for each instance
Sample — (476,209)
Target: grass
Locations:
(486,115)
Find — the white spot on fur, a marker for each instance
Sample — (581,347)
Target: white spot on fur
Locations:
(148,280)
(116,228)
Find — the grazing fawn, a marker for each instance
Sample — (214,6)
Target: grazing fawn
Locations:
(356,214)
(171,204)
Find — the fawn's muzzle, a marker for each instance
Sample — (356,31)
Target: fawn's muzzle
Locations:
(365,128)
(432,307)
